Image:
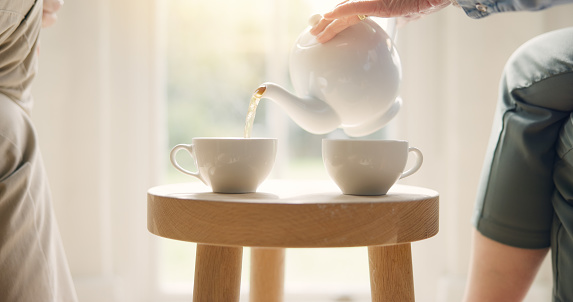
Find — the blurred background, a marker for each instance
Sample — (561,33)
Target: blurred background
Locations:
(121,82)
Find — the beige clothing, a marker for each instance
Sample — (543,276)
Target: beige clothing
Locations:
(32,262)
(20,23)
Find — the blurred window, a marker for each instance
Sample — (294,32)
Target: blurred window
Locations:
(218,53)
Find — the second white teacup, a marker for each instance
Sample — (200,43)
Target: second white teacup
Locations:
(368,167)
(229,165)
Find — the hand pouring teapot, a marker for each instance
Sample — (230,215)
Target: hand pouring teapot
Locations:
(350,82)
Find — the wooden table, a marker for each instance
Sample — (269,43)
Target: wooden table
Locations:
(292,214)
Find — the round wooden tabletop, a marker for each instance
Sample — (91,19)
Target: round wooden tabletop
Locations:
(292,214)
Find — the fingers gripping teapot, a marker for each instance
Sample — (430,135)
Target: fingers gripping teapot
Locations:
(350,82)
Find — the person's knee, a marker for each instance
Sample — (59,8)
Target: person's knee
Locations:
(540,72)
(539,58)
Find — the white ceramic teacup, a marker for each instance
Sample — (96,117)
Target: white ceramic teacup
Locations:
(367,167)
(230,165)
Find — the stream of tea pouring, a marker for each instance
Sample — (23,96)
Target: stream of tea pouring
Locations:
(253,103)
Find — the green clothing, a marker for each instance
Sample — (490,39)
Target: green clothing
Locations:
(526,195)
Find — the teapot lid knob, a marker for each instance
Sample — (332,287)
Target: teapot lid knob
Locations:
(314,19)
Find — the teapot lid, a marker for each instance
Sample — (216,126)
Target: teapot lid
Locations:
(306,39)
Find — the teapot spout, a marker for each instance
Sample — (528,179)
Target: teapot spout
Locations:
(311,114)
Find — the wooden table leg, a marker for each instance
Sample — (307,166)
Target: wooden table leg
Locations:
(267,274)
(217,273)
(391,277)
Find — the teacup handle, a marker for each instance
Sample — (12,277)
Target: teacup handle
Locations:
(188,148)
(417,165)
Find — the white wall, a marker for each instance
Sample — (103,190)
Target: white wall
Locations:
(99,117)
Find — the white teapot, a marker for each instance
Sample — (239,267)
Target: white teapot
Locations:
(350,82)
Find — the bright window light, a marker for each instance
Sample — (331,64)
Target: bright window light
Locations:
(218,53)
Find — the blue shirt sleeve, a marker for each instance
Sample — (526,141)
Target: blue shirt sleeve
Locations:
(482,8)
